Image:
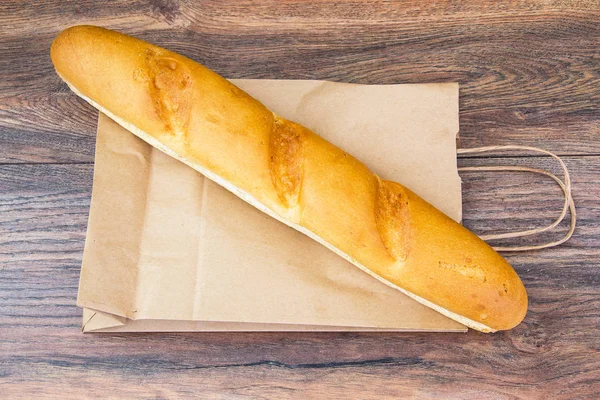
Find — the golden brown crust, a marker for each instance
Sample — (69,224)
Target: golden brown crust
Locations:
(291,173)
(393,219)
(170,86)
(286,160)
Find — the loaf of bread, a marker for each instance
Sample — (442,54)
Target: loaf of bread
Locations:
(290,173)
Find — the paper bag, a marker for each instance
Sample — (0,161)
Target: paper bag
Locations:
(168,250)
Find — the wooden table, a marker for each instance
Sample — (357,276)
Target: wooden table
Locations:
(529,74)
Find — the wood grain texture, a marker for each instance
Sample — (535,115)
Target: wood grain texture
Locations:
(552,354)
(529,71)
(529,74)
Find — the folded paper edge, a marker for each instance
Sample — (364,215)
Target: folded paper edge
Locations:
(99,322)
(96,320)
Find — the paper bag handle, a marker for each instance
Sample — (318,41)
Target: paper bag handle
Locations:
(564,185)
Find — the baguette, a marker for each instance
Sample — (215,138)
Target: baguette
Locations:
(290,173)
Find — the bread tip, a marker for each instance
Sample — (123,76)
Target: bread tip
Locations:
(59,43)
(68,34)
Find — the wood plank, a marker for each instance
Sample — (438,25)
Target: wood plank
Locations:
(529,73)
(552,354)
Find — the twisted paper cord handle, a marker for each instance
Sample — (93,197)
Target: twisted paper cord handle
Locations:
(564,185)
